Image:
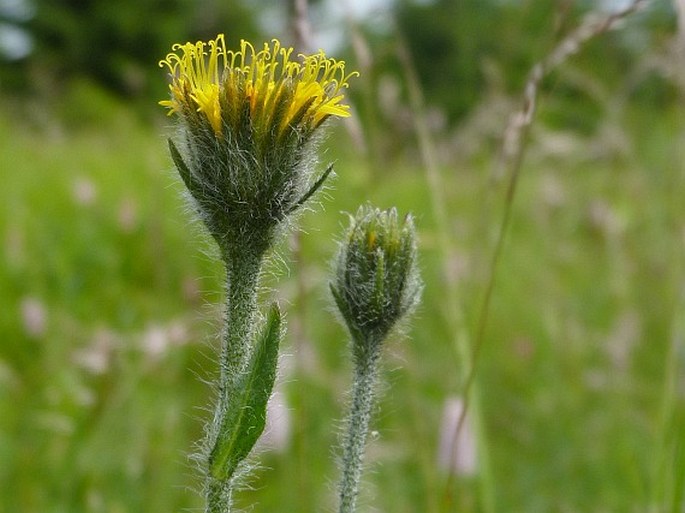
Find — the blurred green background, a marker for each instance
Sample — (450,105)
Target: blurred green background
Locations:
(110,298)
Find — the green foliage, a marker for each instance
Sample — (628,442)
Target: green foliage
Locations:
(104,331)
(572,368)
(118,44)
(91,249)
(451,50)
(463,48)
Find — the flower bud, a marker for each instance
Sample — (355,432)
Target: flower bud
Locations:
(377,280)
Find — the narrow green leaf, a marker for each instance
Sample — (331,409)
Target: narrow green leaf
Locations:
(311,190)
(379,285)
(345,312)
(180,165)
(339,301)
(245,417)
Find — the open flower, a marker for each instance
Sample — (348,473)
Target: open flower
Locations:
(274,90)
(245,148)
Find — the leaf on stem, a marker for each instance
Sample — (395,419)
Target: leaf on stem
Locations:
(245,416)
(180,165)
(317,185)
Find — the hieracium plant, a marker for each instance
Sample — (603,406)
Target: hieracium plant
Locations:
(376,285)
(248,121)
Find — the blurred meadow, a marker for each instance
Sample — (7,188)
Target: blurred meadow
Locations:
(552,255)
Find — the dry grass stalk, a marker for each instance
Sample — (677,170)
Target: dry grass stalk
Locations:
(511,158)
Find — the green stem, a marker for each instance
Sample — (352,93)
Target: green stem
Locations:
(242,274)
(219,497)
(354,443)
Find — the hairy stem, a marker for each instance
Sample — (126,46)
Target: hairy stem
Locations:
(242,273)
(366,369)
(219,497)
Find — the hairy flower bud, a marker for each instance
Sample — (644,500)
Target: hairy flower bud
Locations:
(376,275)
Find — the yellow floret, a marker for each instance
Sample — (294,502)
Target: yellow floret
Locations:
(204,74)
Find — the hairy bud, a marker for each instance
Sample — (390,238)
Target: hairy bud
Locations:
(376,276)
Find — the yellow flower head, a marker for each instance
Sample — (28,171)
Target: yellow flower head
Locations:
(220,84)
